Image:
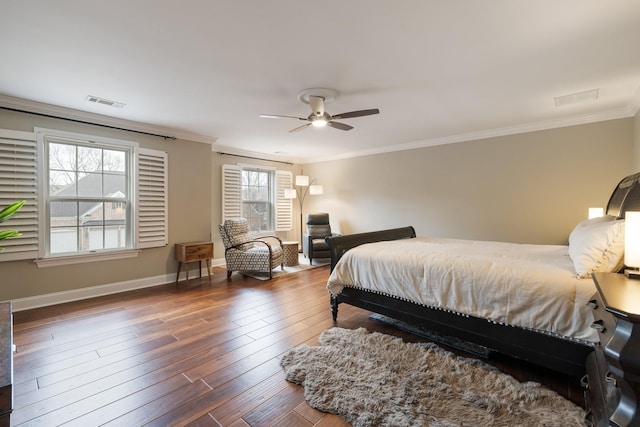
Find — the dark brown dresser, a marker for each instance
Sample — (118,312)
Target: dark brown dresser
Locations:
(6,364)
(613,369)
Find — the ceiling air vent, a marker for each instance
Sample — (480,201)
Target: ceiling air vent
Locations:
(575,98)
(103,101)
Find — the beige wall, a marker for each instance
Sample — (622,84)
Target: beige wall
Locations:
(189,216)
(531,187)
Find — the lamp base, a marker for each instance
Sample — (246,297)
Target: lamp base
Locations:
(632,273)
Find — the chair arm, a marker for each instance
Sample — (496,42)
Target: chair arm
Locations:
(269,237)
(260,240)
(253,241)
(307,246)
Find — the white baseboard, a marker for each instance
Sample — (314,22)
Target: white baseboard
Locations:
(20,304)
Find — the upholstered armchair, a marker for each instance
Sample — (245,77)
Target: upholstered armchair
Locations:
(313,243)
(248,252)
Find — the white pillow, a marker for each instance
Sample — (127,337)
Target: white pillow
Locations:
(597,245)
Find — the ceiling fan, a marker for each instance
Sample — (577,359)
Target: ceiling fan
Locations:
(316,98)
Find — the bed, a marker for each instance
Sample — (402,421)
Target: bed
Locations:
(525,301)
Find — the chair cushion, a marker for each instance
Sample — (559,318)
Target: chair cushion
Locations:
(320,245)
(323,230)
(318,218)
(236,232)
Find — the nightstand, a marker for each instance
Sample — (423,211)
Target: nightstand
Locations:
(613,369)
(193,252)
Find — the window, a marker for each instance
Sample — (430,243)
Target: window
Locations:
(88,203)
(257,194)
(96,198)
(257,199)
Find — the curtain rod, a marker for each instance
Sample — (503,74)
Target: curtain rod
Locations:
(88,123)
(254,158)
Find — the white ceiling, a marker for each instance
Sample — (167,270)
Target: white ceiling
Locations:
(439,70)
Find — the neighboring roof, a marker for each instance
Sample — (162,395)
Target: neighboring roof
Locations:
(91,183)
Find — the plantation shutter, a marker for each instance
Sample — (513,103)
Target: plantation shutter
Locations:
(19,181)
(152,219)
(231,192)
(284,207)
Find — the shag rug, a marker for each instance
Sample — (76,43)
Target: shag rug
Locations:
(374,379)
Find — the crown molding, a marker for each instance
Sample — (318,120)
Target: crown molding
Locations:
(232,151)
(48,109)
(35,107)
(613,114)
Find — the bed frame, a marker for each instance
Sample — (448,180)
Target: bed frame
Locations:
(545,350)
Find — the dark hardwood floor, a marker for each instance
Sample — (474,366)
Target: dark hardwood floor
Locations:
(202,354)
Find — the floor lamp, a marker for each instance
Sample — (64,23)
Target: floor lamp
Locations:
(302,188)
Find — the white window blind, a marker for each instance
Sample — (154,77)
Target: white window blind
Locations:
(284,207)
(152,199)
(232,196)
(231,192)
(19,181)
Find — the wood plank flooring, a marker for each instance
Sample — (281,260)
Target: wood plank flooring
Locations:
(202,354)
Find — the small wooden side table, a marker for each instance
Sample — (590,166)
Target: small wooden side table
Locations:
(192,252)
(290,249)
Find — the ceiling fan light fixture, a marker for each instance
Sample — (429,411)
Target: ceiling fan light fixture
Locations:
(316,98)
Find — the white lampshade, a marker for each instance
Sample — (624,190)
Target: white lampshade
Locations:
(302,180)
(289,193)
(316,189)
(595,212)
(632,239)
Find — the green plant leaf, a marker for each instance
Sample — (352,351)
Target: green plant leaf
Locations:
(7,234)
(10,210)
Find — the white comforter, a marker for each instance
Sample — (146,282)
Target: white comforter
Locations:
(531,286)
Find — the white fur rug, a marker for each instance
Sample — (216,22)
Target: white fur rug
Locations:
(373,379)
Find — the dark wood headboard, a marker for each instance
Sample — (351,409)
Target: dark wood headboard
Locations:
(338,245)
(625,197)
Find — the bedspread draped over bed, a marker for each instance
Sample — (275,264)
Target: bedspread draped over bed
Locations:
(530,286)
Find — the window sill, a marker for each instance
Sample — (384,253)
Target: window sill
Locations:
(78,259)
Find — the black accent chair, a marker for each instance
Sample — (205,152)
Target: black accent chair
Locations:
(313,243)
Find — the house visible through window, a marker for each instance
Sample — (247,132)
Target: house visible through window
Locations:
(89,196)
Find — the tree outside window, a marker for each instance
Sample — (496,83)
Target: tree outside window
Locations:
(88,198)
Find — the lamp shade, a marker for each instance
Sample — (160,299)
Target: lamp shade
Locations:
(595,212)
(632,239)
(289,193)
(316,189)
(302,180)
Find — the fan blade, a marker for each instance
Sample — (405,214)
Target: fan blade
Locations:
(299,128)
(340,126)
(275,116)
(317,105)
(359,113)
